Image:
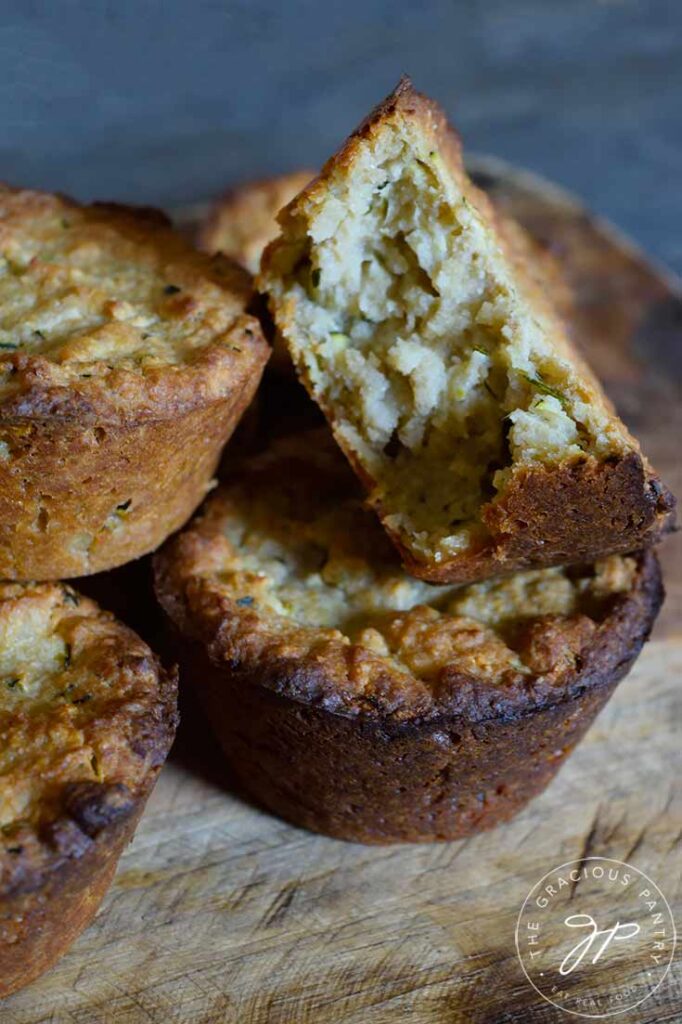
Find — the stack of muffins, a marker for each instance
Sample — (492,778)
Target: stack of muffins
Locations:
(400,621)
(126,360)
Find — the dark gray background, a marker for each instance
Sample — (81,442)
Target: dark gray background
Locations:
(168,102)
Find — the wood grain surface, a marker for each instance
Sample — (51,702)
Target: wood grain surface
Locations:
(221,913)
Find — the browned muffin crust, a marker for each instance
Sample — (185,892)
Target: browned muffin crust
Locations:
(126,359)
(355,700)
(416,319)
(243,221)
(87,716)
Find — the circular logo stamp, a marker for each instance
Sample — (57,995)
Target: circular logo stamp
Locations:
(595,937)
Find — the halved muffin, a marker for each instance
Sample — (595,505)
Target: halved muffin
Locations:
(126,359)
(242,222)
(355,700)
(87,717)
(417,321)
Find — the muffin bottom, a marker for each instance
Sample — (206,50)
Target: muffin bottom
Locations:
(38,926)
(79,499)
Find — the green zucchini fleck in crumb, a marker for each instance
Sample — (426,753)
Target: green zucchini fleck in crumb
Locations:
(541,385)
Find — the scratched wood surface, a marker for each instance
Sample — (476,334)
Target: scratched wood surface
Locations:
(221,913)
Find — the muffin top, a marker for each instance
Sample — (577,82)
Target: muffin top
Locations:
(285,574)
(87,716)
(106,310)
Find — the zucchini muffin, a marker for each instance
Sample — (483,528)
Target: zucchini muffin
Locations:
(358,701)
(416,320)
(242,222)
(126,360)
(87,717)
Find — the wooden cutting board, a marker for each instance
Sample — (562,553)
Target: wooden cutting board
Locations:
(220,913)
